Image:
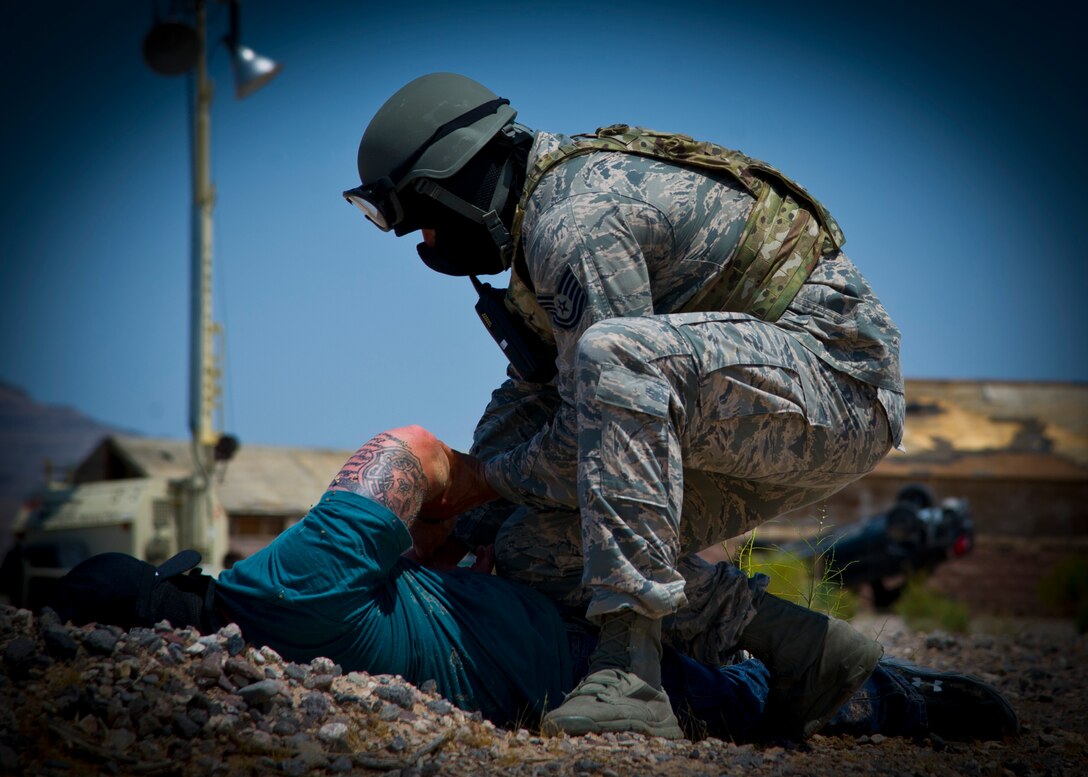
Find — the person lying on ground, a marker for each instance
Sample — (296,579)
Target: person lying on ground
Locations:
(337,585)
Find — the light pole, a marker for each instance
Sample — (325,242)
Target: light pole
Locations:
(173,47)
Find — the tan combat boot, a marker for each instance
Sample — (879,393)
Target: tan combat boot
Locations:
(623,689)
(816,663)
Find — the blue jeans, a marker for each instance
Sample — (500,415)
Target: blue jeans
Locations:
(727,702)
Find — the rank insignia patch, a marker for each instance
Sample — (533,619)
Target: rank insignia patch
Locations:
(566,305)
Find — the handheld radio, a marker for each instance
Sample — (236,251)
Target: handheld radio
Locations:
(533,358)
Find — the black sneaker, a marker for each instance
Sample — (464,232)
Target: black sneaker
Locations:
(959,706)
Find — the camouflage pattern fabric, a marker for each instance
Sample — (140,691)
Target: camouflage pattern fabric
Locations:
(516,412)
(786,233)
(543,549)
(668,431)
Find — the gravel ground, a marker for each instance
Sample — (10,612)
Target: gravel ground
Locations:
(97,700)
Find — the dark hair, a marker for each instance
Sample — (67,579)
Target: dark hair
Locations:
(118,589)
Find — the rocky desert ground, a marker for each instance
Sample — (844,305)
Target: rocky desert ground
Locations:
(96,700)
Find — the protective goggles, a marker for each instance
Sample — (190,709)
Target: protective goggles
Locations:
(379,203)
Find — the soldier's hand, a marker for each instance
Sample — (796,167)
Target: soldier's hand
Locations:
(457,486)
(485,559)
(428,539)
(445,556)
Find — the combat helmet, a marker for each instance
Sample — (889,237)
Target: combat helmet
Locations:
(439,154)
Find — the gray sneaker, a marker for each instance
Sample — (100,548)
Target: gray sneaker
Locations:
(614,700)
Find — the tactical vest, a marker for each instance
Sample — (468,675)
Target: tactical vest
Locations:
(785,235)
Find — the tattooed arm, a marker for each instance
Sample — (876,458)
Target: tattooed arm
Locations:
(419,478)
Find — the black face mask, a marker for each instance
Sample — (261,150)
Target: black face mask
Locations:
(460,252)
(463,246)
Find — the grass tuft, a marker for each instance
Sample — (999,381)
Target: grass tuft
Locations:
(924,609)
(812,583)
(1064,589)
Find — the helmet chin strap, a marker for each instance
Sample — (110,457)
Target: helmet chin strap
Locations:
(490,219)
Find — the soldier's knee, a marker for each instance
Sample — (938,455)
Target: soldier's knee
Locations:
(612,341)
(597,343)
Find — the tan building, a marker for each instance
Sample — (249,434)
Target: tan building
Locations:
(1017,451)
(264,489)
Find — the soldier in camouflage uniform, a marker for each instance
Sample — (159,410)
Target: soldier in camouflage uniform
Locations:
(717,360)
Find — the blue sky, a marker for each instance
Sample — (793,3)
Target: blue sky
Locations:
(948,144)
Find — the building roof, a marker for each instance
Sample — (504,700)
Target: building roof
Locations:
(1027,430)
(954,429)
(259,480)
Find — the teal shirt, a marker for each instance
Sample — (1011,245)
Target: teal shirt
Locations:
(335,585)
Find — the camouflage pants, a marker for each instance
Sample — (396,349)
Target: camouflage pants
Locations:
(693,428)
(543,549)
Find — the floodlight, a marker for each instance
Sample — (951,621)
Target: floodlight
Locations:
(251,70)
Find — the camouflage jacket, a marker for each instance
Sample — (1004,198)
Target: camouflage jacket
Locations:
(610,234)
